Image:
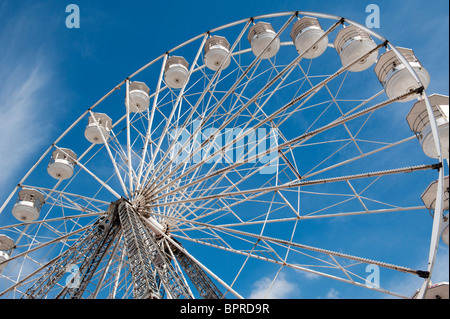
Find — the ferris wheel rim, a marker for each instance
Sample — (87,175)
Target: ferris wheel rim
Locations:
(164,55)
(436,224)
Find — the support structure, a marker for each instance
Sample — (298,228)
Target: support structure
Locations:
(204,285)
(152,272)
(148,259)
(146,282)
(108,229)
(88,250)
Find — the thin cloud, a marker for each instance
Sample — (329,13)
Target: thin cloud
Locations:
(408,286)
(282,288)
(441,268)
(333,294)
(25,93)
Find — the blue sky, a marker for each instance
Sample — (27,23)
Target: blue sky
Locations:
(52,74)
(83,64)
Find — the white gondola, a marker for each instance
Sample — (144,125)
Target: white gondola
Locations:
(259,36)
(436,291)
(139,97)
(419,123)
(216,51)
(4,256)
(445,229)
(396,78)
(94,132)
(429,200)
(352,43)
(6,245)
(306,32)
(62,164)
(28,205)
(429,195)
(176,72)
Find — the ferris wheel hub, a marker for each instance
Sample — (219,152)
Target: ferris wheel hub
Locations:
(154,223)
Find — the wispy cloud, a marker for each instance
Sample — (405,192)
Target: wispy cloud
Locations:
(26,73)
(333,294)
(408,285)
(441,268)
(280,289)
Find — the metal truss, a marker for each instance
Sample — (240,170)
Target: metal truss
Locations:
(204,285)
(90,248)
(149,261)
(153,275)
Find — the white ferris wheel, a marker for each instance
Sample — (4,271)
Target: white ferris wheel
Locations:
(288,141)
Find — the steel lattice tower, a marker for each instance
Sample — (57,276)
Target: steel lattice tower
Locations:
(149,261)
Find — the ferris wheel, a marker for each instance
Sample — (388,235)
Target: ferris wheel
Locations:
(294,141)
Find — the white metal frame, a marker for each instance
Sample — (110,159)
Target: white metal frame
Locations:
(165,180)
